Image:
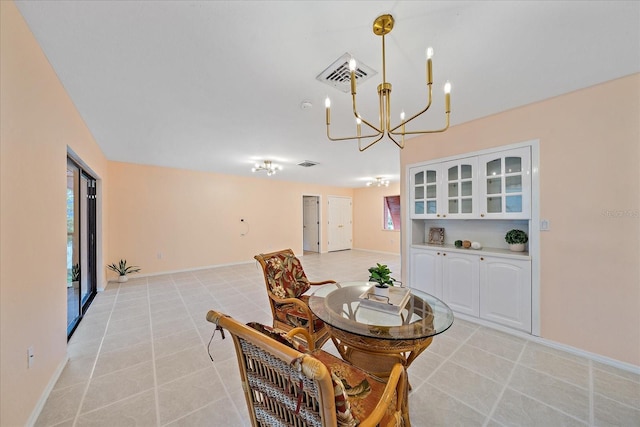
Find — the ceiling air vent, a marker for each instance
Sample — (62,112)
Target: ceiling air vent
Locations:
(338,75)
(307,164)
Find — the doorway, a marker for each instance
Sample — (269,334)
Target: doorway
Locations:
(311,223)
(339,233)
(81,243)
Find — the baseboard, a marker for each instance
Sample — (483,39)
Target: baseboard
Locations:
(377,252)
(556,345)
(185,270)
(47,391)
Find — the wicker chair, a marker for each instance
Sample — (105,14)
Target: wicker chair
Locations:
(286,387)
(286,284)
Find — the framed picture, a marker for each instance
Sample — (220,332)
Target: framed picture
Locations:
(436,236)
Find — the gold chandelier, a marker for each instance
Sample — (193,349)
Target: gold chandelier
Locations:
(381,26)
(267,166)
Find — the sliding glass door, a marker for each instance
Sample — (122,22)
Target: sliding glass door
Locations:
(81,243)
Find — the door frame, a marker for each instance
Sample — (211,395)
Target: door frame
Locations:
(95,209)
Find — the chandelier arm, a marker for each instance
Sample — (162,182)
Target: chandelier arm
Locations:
(424,110)
(370,144)
(419,132)
(357,116)
(373,135)
(378,131)
(399,144)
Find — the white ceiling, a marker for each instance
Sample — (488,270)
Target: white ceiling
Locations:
(217,85)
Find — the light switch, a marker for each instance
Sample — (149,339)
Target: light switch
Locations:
(544,225)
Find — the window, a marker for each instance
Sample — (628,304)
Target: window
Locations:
(392,213)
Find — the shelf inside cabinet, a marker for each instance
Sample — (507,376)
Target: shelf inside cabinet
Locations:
(504,253)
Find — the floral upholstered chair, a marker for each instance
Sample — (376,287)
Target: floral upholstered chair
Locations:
(288,385)
(286,283)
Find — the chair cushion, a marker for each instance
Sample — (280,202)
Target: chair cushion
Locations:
(363,390)
(278,335)
(285,276)
(292,315)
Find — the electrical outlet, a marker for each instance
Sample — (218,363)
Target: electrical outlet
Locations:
(545,225)
(30,357)
(159,255)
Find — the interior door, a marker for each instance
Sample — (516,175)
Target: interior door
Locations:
(339,232)
(311,223)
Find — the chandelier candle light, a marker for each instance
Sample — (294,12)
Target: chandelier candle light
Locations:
(266,166)
(381,26)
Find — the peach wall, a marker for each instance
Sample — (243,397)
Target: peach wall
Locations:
(38,122)
(368,213)
(165,219)
(590,192)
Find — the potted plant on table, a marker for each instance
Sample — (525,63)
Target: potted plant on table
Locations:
(381,276)
(516,239)
(123,269)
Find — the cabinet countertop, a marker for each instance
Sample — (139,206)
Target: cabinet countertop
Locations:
(504,253)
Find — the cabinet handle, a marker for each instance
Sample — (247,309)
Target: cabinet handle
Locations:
(482,215)
(481,259)
(438,253)
(444,254)
(444,216)
(438,215)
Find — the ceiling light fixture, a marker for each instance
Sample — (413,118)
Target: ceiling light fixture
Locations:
(381,26)
(380,182)
(266,166)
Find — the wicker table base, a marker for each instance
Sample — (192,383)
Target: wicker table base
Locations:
(378,355)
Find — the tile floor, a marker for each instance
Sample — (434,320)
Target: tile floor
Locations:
(139,358)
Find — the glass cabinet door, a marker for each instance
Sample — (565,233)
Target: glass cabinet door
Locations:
(424,192)
(507,182)
(460,187)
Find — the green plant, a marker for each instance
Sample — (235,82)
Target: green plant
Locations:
(515,236)
(122,268)
(381,275)
(75,272)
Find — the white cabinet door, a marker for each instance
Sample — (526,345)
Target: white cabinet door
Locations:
(505,184)
(460,278)
(459,189)
(426,271)
(425,197)
(505,292)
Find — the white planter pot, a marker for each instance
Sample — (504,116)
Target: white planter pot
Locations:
(516,247)
(382,292)
(122,279)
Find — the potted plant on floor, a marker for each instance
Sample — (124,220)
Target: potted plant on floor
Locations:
(75,276)
(516,239)
(381,276)
(123,269)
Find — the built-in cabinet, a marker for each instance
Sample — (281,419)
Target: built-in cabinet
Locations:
(478,283)
(479,195)
(490,186)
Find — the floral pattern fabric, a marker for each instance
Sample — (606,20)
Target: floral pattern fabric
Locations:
(363,391)
(285,276)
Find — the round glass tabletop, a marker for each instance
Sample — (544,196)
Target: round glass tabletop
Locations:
(407,313)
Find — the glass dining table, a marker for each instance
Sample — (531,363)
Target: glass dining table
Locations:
(373,332)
